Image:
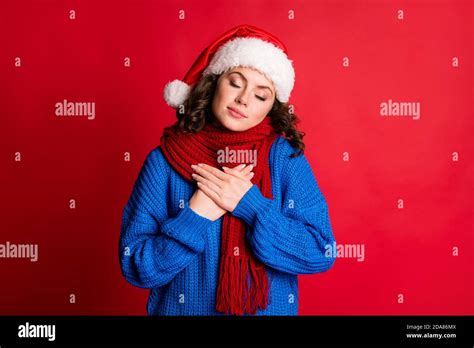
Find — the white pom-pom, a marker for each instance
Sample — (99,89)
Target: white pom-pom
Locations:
(176,92)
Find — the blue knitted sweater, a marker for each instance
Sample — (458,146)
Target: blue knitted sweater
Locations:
(168,248)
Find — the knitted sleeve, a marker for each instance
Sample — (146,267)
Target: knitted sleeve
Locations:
(153,246)
(291,238)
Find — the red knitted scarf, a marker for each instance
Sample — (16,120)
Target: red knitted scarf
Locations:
(243,283)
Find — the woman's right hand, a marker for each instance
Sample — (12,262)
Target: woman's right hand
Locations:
(202,205)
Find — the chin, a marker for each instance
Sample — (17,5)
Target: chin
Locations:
(233,124)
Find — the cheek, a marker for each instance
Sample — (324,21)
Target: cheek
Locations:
(222,96)
(262,110)
(228,93)
(218,100)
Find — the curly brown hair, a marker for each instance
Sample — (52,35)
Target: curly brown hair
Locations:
(196,111)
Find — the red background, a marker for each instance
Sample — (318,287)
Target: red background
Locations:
(407,251)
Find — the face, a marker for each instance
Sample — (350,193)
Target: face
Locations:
(243,98)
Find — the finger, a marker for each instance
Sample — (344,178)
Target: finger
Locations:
(239,173)
(247,169)
(206,182)
(213,170)
(238,168)
(210,193)
(204,172)
(249,176)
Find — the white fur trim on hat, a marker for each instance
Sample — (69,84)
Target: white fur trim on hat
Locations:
(176,92)
(260,55)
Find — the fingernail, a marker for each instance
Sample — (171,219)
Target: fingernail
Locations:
(251,166)
(193,166)
(225,168)
(243,165)
(200,164)
(252,174)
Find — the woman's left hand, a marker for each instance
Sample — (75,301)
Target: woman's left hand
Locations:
(226,188)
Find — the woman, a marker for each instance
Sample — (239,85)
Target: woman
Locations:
(225,213)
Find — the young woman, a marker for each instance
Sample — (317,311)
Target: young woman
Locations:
(226,211)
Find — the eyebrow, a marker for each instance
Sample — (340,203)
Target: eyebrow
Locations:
(242,75)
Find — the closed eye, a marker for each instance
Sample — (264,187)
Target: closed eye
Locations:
(234,85)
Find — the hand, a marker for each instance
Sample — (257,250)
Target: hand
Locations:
(226,188)
(203,205)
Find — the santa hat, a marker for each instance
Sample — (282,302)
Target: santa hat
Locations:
(244,45)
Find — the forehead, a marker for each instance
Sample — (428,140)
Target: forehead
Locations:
(252,74)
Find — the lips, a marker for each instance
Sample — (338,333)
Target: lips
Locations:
(235,113)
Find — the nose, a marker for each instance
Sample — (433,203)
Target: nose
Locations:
(241,100)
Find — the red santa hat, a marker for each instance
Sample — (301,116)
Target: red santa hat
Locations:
(244,45)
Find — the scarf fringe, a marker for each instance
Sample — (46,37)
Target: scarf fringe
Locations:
(242,288)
